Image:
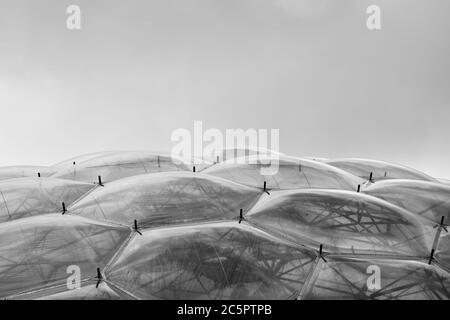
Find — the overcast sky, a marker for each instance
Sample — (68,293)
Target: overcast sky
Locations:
(137,70)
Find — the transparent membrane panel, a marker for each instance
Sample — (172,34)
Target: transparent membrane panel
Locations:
(426,199)
(167,198)
(429,201)
(378,279)
(37,251)
(443,251)
(283,173)
(68,163)
(342,221)
(210,261)
(117,165)
(233,153)
(89,290)
(380,170)
(444,181)
(24,197)
(319,159)
(25,171)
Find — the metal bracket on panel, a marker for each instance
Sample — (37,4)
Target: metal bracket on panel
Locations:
(321,254)
(265,188)
(439,227)
(100,181)
(99,277)
(241,216)
(136,227)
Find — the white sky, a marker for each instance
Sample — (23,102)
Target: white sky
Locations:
(140,69)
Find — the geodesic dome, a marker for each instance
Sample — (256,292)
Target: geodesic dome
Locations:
(151,228)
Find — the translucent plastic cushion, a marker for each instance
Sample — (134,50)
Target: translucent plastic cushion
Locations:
(444,181)
(25,171)
(346,222)
(380,170)
(426,199)
(429,201)
(443,250)
(89,290)
(116,165)
(352,278)
(167,198)
(210,261)
(25,197)
(289,173)
(69,163)
(233,153)
(37,251)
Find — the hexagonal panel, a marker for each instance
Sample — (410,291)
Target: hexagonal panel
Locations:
(378,279)
(210,261)
(286,173)
(342,221)
(36,251)
(167,198)
(25,197)
(381,170)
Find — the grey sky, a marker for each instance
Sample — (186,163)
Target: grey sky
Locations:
(140,69)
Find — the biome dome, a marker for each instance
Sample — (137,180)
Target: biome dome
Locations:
(144,225)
